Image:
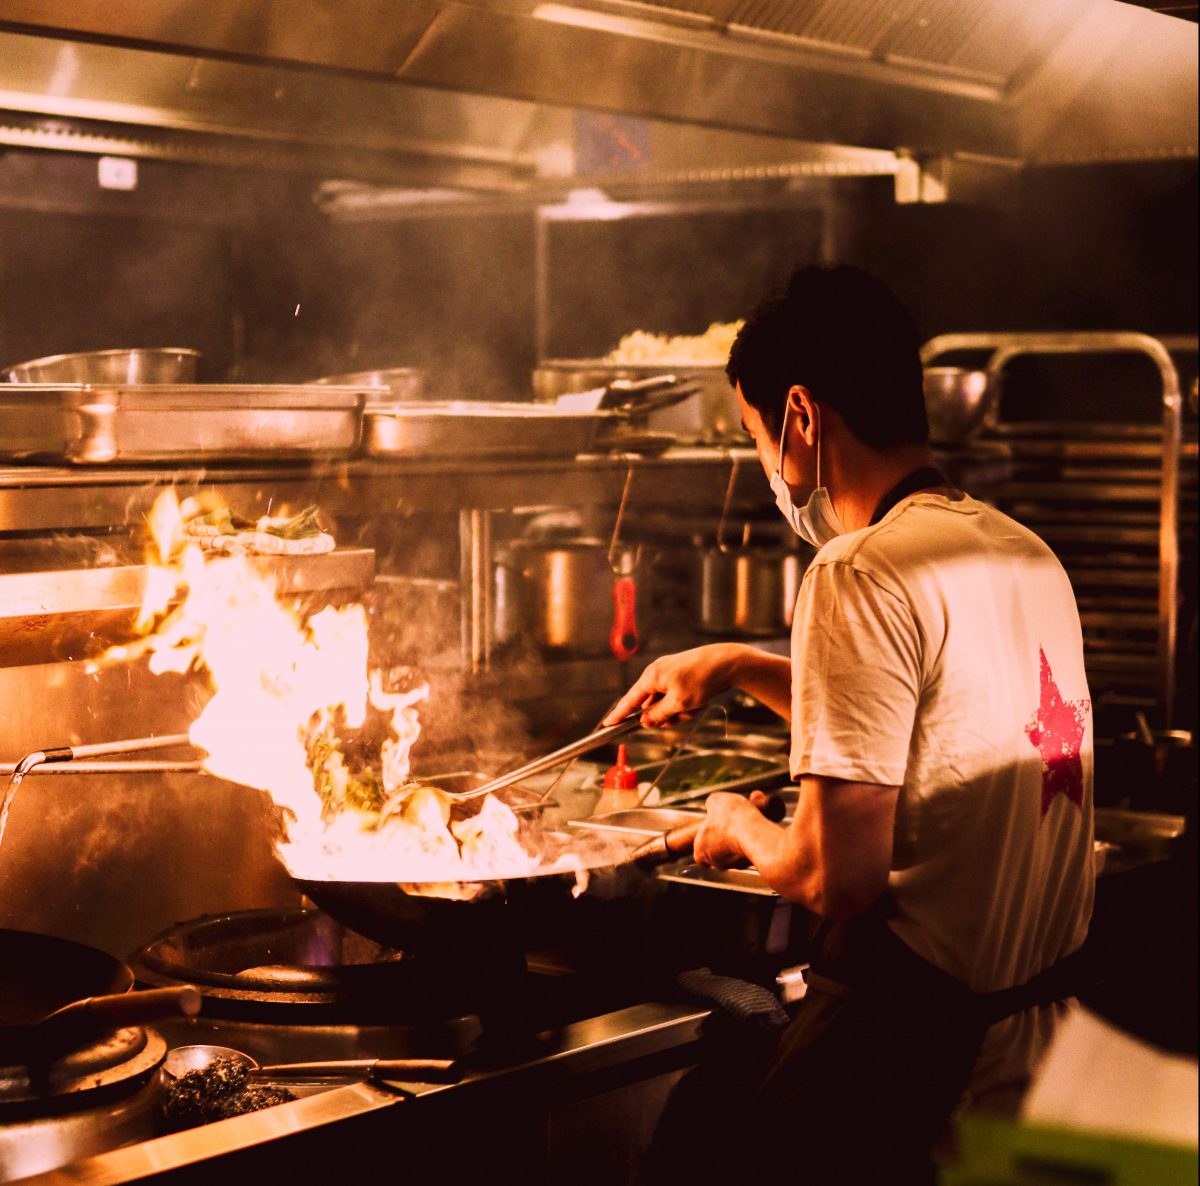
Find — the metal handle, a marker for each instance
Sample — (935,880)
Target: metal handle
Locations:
(130,1008)
(147,767)
(657,401)
(557,757)
(415,1070)
(678,842)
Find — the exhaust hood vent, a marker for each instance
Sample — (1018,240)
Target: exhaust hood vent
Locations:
(484,92)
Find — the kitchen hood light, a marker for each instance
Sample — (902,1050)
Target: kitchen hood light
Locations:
(580,18)
(592,205)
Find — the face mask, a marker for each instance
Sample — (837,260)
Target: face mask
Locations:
(816,522)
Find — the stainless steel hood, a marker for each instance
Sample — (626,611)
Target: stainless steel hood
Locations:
(483,92)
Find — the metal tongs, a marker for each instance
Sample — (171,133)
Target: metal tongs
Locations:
(555,758)
(631,397)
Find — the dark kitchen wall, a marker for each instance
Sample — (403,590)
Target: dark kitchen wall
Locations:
(244,267)
(1096,247)
(85,268)
(1069,247)
(668,273)
(452,295)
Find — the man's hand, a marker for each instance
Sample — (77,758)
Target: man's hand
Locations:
(718,842)
(678,684)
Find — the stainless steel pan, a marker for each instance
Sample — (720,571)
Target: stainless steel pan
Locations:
(464,428)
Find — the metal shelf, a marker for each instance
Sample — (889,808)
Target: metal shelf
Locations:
(1106,497)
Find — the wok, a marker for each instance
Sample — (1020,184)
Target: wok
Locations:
(527,908)
(40,974)
(57,996)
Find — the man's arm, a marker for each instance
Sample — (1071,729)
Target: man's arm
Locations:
(833,858)
(687,681)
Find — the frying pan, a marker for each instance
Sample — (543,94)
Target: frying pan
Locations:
(39,974)
(56,996)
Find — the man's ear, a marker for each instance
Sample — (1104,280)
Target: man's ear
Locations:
(804,412)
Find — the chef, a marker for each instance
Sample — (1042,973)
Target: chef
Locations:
(941,740)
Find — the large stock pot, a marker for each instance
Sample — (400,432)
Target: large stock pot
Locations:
(747,591)
(562,595)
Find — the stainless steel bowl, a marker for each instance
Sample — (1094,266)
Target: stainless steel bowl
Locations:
(165,364)
(959,403)
(394,385)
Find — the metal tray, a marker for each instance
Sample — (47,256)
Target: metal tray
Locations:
(98,424)
(474,429)
(638,821)
(740,881)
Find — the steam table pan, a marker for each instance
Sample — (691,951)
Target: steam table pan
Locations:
(465,428)
(99,424)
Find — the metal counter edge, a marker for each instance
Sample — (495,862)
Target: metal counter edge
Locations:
(591,1044)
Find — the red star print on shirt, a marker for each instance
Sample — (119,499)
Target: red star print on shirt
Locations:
(1056,732)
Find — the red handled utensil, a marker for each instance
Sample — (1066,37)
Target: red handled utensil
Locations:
(623,639)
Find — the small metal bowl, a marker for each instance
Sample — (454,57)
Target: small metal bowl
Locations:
(959,403)
(165,364)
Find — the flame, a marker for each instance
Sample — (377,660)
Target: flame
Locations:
(285,688)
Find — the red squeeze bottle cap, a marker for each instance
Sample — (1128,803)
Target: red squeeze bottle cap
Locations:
(620,776)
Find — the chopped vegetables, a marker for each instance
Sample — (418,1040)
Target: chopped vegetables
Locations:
(220,1090)
(338,786)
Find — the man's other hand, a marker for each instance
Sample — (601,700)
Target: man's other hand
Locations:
(717,842)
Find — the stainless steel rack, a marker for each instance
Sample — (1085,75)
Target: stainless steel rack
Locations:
(1107,499)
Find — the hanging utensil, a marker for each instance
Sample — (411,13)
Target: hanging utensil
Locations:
(623,639)
(729,488)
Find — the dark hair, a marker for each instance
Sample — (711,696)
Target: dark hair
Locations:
(843,335)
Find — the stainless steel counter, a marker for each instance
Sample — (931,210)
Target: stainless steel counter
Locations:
(646,1043)
(41,498)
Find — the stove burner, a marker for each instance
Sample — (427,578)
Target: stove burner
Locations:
(109,1068)
(299,967)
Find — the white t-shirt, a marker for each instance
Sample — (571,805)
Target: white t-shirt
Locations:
(940,651)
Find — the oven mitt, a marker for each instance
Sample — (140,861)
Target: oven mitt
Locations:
(735,1001)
